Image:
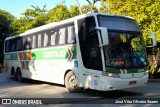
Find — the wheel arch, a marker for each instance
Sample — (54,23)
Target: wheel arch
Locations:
(69,70)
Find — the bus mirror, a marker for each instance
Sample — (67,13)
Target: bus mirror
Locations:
(154,39)
(150,39)
(104,35)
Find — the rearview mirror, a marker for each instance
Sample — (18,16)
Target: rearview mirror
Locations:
(104,35)
(150,39)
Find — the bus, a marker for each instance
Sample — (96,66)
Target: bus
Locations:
(90,51)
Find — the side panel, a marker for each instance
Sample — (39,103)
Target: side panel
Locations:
(48,64)
(45,54)
(51,64)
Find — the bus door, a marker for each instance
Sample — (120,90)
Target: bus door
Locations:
(94,62)
(90,52)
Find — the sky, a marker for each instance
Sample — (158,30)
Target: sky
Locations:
(16,7)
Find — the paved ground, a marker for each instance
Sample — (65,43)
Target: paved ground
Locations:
(37,89)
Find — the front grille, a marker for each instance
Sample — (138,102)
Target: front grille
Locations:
(131,75)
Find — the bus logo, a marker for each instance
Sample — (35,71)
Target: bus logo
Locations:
(123,71)
(70,54)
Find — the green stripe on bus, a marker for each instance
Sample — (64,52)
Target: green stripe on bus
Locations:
(63,53)
(11,56)
(24,55)
(56,54)
(133,70)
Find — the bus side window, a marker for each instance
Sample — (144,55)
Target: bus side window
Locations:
(53,38)
(27,43)
(71,35)
(51,35)
(7,46)
(62,36)
(45,40)
(39,40)
(34,42)
(17,47)
(19,44)
(12,45)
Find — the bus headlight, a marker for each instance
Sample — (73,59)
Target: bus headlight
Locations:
(146,72)
(116,75)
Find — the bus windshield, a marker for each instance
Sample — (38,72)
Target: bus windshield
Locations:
(125,50)
(126,47)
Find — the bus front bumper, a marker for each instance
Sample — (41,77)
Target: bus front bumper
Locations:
(110,83)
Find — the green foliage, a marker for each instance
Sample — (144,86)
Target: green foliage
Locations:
(74,11)
(21,25)
(37,17)
(60,12)
(104,6)
(6,20)
(31,18)
(146,12)
(90,7)
(5,29)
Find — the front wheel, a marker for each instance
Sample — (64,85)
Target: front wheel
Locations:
(71,82)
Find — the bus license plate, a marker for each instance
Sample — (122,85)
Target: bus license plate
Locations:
(132,82)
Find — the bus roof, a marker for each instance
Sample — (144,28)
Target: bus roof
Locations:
(54,24)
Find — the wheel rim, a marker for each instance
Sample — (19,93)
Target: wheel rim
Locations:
(73,81)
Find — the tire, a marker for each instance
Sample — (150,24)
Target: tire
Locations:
(19,75)
(15,76)
(71,82)
(12,73)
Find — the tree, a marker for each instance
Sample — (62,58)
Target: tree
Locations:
(21,25)
(93,2)
(5,29)
(74,11)
(146,12)
(90,7)
(31,18)
(61,12)
(104,8)
(6,20)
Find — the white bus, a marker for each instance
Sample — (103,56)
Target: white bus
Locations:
(95,51)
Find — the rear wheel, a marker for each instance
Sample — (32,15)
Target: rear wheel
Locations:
(15,76)
(12,73)
(19,75)
(71,82)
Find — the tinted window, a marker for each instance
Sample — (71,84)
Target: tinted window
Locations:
(118,23)
(60,35)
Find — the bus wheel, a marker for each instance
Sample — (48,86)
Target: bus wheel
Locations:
(71,82)
(14,76)
(19,75)
(12,73)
